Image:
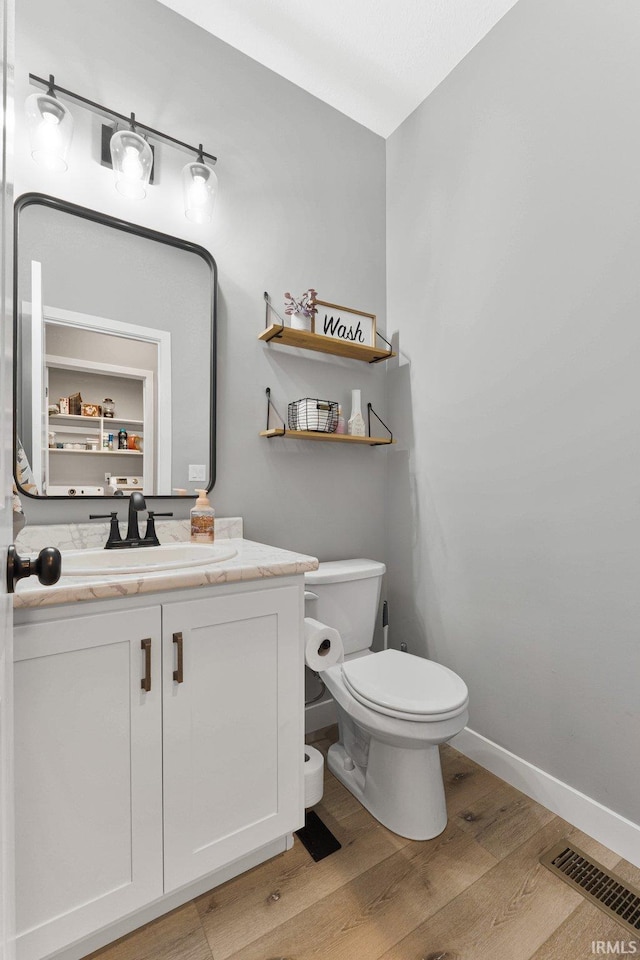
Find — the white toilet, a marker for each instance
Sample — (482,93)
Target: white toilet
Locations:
(393,708)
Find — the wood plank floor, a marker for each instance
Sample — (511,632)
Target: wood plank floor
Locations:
(477,892)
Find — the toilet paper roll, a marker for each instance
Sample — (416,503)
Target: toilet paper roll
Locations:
(322,645)
(313,776)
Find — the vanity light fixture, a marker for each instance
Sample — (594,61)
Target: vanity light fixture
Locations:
(130,153)
(50,127)
(200,186)
(132,160)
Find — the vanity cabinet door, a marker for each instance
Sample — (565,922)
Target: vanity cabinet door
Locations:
(233,728)
(88,772)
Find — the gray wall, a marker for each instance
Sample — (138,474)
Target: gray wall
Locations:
(513,280)
(301,203)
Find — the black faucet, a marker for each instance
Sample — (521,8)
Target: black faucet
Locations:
(133,538)
(150,535)
(114,528)
(136,503)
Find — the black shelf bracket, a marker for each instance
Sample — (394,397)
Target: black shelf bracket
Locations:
(379,359)
(370,411)
(269,310)
(271,406)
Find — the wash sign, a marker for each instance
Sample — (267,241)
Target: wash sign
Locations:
(345,323)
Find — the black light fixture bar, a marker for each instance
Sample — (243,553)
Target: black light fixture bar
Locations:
(108,113)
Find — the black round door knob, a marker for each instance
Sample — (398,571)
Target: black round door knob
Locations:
(47,566)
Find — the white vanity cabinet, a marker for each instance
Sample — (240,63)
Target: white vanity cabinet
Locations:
(233,745)
(88,775)
(125,796)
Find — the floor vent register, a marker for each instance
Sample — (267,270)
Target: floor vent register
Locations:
(618,899)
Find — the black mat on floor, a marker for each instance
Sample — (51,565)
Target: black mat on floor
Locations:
(317,837)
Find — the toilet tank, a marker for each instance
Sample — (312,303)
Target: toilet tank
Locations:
(348,594)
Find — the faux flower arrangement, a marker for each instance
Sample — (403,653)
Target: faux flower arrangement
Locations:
(304,305)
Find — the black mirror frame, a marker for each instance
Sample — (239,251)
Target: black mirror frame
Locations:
(55,203)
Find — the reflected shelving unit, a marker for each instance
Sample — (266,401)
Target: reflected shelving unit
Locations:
(69,424)
(68,460)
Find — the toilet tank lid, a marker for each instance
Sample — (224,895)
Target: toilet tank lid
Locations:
(341,571)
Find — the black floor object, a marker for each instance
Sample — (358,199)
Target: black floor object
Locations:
(316,837)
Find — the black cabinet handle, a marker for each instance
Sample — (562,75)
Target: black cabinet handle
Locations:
(178,675)
(145,683)
(47,566)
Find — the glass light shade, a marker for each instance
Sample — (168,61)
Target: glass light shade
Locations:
(200,186)
(132,160)
(50,127)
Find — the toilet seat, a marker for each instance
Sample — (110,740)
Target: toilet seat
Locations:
(405,686)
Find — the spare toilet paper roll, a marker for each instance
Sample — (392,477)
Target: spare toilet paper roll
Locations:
(322,645)
(313,776)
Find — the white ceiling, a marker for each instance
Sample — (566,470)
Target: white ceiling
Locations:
(375,60)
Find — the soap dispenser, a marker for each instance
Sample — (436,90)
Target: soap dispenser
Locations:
(202,519)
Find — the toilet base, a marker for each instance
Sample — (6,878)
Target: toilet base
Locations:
(401,787)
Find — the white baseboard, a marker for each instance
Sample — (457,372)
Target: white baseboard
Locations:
(614,831)
(319,715)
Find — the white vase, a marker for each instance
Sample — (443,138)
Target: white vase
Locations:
(300,322)
(356,420)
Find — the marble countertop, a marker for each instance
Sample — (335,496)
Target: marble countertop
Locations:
(93,536)
(253,561)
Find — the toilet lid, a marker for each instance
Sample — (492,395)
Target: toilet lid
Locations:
(405,684)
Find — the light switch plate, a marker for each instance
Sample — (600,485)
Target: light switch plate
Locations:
(197,471)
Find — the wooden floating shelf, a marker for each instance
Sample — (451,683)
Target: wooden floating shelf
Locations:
(288,337)
(327,437)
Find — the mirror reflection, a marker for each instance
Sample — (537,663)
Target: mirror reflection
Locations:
(115,356)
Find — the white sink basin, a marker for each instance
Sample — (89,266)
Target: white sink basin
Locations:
(170,556)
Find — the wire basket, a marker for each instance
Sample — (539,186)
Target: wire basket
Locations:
(318,416)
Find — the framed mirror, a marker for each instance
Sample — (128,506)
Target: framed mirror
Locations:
(115,355)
